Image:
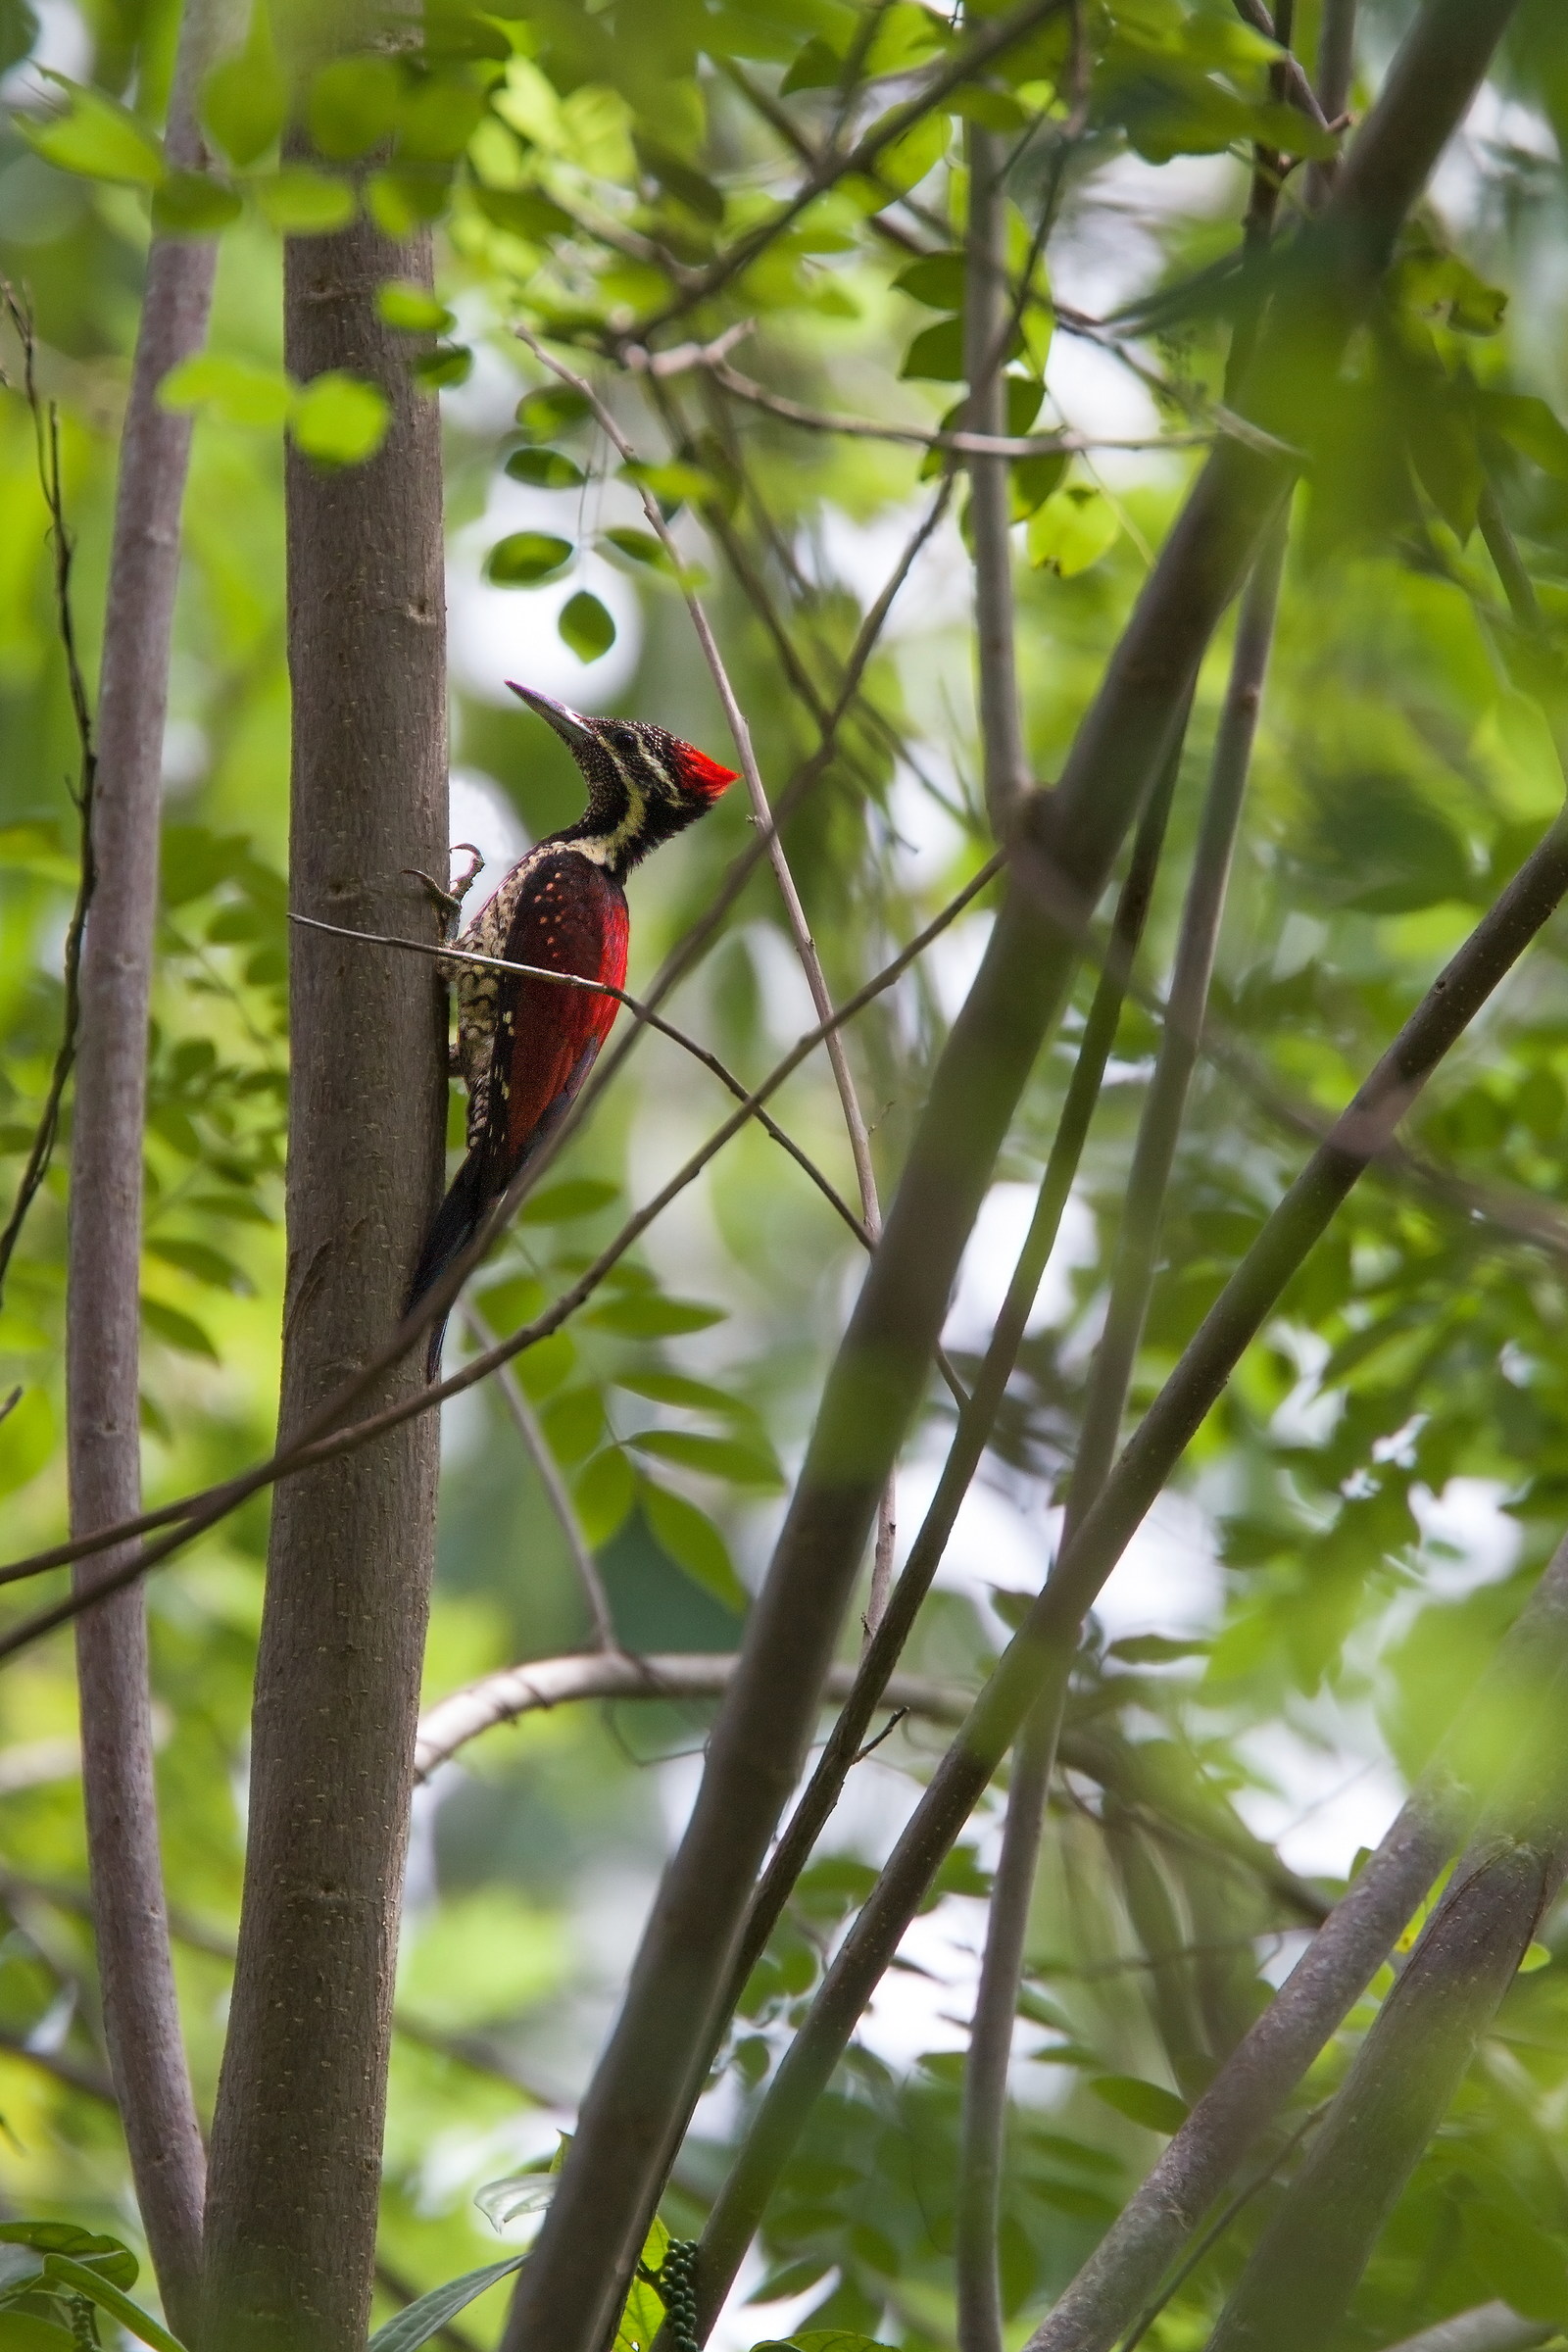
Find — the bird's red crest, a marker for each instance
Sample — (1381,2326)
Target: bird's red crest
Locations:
(699,773)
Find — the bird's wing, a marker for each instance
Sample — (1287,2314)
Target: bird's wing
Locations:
(570,917)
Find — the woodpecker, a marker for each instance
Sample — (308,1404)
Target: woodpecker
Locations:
(525,1047)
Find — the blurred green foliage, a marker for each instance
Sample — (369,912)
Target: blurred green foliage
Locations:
(614,176)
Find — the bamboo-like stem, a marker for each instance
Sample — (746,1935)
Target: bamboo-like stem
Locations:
(1292,2294)
(987,318)
(1132,1284)
(141,2009)
(1335,74)
(557,1492)
(1035,1666)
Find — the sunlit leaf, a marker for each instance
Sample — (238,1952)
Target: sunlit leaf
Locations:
(430,2313)
(240,393)
(413,311)
(351,106)
(584,624)
(94,138)
(300,202)
(692,1541)
(1072,530)
(524,558)
(339,420)
(719,1457)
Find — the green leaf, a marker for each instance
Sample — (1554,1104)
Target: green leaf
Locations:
(641,547)
(438,117)
(937,281)
(339,420)
(552,409)
(301,203)
(545,469)
(237,392)
(528,213)
(448,364)
(175,1330)
(674,1388)
(574,1422)
(584,624)
(817,68)
(1144,2103)
(689,1538)
(1532,427)
(401,201)
(192,204)
(352,106)
(716,1457)
(649,1315)
(1072,530)
(412,310)
(1517,2257)
(1154,1649)
(429,2314)
(822,2339)
(564,1203)
(110,2257)
(524,558)
(1537,1955)
(202,1264)
(672,484)
(604,1489)
(243,99)
(94,138)
(82,2280)
(937,354)
(25,2331)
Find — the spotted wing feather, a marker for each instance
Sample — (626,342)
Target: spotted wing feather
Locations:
(568,917)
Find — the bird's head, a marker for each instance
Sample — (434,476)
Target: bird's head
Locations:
(643,784)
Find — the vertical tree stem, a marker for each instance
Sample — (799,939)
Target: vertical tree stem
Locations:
(987,318)
(141,2013)
(1335,74)
(297,2136)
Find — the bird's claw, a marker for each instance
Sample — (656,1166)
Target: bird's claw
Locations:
(448,903)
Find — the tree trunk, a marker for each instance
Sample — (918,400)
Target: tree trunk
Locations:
(297,2136)
(141,2013)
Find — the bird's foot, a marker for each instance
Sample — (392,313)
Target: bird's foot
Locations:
(447,903)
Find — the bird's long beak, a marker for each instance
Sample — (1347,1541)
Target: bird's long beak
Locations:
(570,725)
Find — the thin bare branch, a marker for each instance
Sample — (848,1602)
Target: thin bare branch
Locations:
(987,321)
(557,1492)
(641,1012)
(322,1438)
(46,441)
(544,1683)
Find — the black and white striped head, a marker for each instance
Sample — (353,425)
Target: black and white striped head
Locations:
(643,784)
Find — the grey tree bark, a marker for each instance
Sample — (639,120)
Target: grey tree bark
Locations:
(141,2014)
(297,2135)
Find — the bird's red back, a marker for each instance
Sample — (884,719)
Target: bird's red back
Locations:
(570,917)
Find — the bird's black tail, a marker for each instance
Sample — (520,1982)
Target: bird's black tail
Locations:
(456,1223)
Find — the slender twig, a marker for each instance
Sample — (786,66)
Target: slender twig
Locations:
(322,1438)
(800,929)
(971,59)
(1035,1665)
(1335,74)
(541,1684)
(1232,2212)
(960,443)
(641,1012)
(46,439)
(557,1492)
(987,309)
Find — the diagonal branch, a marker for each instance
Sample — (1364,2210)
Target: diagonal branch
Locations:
(1033,1669)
